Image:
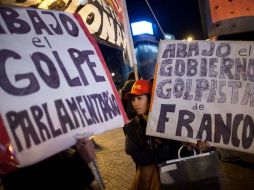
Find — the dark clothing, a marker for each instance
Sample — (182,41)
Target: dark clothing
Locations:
(127,104)
(62,171)
(146,150)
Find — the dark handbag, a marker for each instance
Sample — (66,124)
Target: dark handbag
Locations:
(199,171)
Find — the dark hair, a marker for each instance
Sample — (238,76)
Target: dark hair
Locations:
(127,103)
(126,87)
(149,96)
(131,75)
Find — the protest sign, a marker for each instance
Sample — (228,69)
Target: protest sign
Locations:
(204,90)
(54,84)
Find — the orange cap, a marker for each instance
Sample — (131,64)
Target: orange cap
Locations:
(140,87)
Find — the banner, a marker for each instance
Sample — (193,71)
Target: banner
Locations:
(105,19)
(54,84)
(226,17)
(204,90)
(103,22)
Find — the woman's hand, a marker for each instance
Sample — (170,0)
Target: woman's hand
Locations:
(201,146)
(86,149)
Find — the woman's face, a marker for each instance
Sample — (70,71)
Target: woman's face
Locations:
(140,104)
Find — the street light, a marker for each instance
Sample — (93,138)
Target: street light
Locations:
(189,38)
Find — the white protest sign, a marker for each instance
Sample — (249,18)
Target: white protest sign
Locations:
(204,90)
(54,83)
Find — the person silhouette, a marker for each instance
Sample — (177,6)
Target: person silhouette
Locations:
(66,170)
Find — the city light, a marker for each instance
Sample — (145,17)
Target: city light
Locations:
(169,36)
(189,38)
(142,27)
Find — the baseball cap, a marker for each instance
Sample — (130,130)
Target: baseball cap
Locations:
(140,87)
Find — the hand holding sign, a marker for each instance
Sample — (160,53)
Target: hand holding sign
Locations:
(201,146)
(86,149)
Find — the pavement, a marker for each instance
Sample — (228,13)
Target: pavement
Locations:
(117,169)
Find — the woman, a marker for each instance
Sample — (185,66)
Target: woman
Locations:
(128,108)
(147,151)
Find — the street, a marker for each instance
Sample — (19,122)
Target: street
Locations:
(117,168)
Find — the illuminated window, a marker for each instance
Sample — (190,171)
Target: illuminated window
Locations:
(142,27)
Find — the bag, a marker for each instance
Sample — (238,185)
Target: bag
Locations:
(146,178)
(199,171)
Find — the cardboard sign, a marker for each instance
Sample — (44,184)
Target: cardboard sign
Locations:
(205,90)
(54,84)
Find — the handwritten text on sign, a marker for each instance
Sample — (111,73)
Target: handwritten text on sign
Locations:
(205,90)
(53,84)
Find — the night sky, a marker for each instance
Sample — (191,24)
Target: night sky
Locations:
(177,17)
(180,18)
